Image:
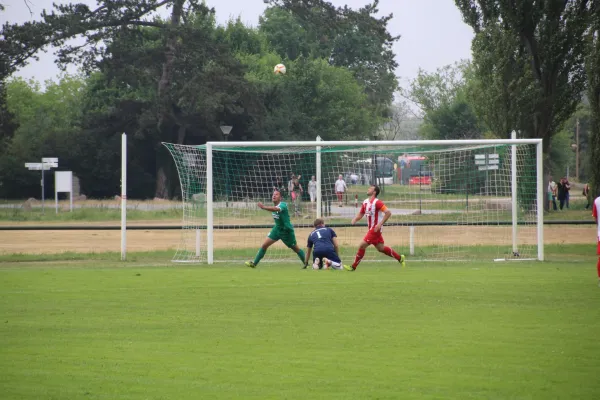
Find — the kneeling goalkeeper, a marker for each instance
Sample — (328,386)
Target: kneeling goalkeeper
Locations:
(324,241)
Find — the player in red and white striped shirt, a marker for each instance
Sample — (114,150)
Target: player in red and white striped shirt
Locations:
(596,214)
(377,213)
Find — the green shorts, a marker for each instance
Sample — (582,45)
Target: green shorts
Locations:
(287,236)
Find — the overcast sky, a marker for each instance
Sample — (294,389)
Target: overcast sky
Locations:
(432,31)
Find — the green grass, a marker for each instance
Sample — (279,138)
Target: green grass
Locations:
(92,214)
(97,328)
(557,252)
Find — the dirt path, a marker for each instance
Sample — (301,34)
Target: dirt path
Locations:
(40,242)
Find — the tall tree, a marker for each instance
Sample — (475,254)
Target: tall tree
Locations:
(551,33)
(442,98)
(354,39)
(118,21)
(593,74)
(432,90)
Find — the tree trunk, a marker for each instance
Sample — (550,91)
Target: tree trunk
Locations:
(164,85)
(162,190)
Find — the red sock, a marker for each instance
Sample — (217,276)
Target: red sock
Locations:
(389,252)
(598,267)
(359,255)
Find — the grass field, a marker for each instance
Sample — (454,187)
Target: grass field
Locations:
(90,327)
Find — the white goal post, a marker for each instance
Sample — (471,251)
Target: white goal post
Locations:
(450,199)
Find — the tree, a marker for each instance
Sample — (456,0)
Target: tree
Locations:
(111,19)
(548,36)
(354,39)
(593,76)
(401,124)
(442,97)
(430,91)
(285,33)
(48,122)
(451,121)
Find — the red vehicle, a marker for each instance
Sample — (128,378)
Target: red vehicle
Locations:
(424,179)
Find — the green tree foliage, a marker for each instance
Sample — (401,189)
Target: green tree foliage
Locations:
(179,79)
(593,74)
(354,39)
(501,87)
(442,97)
(545,35)
(563,151)
(430,91)
(451,121)
(48,123)
(285,34)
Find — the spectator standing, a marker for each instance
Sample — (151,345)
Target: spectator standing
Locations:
(340,189)
(296,194)
(551,193)
(586,194)
(312,189)
(562,192)
(567,188)
(290,185)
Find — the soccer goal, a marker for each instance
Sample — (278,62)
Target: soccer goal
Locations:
(450,200)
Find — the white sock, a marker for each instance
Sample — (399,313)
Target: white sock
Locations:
(335,265)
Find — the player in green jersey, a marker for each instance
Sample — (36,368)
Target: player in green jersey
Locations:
(283,230)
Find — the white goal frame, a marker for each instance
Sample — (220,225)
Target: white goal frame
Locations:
(210,146)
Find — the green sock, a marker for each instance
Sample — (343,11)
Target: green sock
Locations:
(259,255)
(301,255)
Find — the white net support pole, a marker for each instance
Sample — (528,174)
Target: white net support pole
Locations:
(513,188)
(319,200)
(540,199)
(123,196)
(209,204)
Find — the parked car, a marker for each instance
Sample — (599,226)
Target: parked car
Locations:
(424,179)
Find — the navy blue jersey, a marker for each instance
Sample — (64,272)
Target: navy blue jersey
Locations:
(322,240)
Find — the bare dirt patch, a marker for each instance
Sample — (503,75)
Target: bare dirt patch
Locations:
(41,242)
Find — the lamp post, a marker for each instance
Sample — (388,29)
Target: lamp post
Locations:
(226,129)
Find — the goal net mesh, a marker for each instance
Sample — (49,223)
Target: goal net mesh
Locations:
(447,203)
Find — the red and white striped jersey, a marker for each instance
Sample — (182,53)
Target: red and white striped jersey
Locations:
(596,214)
(374,210)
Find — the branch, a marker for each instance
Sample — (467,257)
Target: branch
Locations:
(29,8)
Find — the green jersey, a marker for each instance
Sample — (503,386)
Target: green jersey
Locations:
(282,217)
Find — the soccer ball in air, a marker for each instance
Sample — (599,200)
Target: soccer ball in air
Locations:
(279,69)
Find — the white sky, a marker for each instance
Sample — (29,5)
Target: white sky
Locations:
(433,33)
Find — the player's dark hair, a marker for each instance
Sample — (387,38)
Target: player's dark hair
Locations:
(318,221)
(377,190)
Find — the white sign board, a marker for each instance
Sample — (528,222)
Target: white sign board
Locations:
(37,166)
(63,182)
(51,160)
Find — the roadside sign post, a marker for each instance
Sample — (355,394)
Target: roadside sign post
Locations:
(486,162)
(63,182)
(46,164)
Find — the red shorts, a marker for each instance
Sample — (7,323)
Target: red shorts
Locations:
(598,249)
(373,238)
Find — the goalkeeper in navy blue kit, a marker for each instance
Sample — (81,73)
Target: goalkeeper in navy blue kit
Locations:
(324,241)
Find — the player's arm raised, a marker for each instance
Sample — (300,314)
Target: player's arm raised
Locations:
(268,208)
